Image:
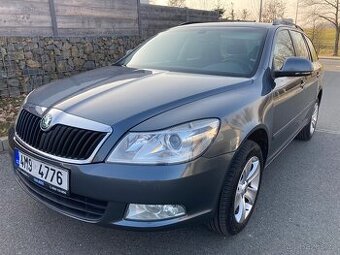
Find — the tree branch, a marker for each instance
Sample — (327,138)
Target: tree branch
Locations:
(331,4)
(328,19)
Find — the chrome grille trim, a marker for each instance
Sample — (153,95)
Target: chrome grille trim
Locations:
(68,120)
(60,117)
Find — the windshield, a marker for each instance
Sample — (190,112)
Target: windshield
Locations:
(231,51)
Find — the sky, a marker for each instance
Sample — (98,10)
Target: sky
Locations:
(252,5)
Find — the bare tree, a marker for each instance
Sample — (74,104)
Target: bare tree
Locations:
(315,25)
(244,14)
(220,9)
(317,38)
(232,12)
(273,9)
(313,19)
(329,10)
(176,3)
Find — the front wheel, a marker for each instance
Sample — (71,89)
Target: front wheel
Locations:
(240,190)
(308,131)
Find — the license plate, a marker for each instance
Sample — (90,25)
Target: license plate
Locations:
(51,177)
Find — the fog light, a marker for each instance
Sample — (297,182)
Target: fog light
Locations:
(153,212)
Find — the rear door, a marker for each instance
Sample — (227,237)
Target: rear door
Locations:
(316,62)
(310,83)
(317,68)
(288,102)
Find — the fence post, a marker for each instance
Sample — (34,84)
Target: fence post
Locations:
(53,18)
(140,29)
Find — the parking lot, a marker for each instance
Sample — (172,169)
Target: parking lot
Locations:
(298,211)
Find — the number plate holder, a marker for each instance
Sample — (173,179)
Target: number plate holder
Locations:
(45,175)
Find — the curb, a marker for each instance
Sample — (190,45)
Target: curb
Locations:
(3,144)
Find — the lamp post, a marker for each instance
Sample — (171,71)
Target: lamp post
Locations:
(261,6)
(297,11)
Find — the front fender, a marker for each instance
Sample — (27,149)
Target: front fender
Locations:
(238,126)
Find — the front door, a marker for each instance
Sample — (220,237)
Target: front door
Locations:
(288,103)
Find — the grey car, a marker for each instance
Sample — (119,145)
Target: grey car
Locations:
(177,131)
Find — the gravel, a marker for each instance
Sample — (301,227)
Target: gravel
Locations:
(9,109)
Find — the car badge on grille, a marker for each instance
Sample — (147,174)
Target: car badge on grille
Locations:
(45,122)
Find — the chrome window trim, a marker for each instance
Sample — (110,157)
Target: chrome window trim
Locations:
(60,117)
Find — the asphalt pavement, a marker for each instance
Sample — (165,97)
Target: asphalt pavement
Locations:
(298,210)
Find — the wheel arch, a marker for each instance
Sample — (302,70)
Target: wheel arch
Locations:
(259,135)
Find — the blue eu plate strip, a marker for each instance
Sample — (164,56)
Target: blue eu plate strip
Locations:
(16,157)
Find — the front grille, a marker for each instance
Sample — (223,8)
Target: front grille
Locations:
(61,140)
(78,206)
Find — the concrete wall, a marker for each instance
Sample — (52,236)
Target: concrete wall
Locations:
(91,18)
(156,18)
(68,17)
(44,40)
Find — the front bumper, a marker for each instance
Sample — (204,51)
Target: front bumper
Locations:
(101,192)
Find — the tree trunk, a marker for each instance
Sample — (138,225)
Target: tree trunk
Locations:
(336,44)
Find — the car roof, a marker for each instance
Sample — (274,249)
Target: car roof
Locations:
(237,24)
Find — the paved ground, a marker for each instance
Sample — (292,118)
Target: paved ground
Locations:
(298,211)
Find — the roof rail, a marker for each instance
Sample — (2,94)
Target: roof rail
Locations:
(237,20)
(221,20)
(287,22)
(190,22)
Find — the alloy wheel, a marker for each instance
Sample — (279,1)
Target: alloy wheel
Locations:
(247,189)
(314,119)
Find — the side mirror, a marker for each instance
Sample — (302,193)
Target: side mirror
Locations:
(295,66)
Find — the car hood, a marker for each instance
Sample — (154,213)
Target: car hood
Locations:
(112,94)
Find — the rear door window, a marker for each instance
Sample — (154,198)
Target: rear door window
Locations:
(300,45)
(312,49)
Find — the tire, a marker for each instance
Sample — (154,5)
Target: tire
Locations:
(308,131)
(226,219)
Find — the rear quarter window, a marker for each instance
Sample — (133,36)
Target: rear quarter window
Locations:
(312,50)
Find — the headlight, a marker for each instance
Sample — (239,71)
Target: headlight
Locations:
(174,145)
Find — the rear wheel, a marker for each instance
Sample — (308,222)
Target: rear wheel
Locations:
(308,131)
(240,190)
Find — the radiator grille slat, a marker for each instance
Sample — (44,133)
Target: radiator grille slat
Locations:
(97,140)
(20,122)
(87,144)
(35,130)
(25,122)
(71,148)
(61,140)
